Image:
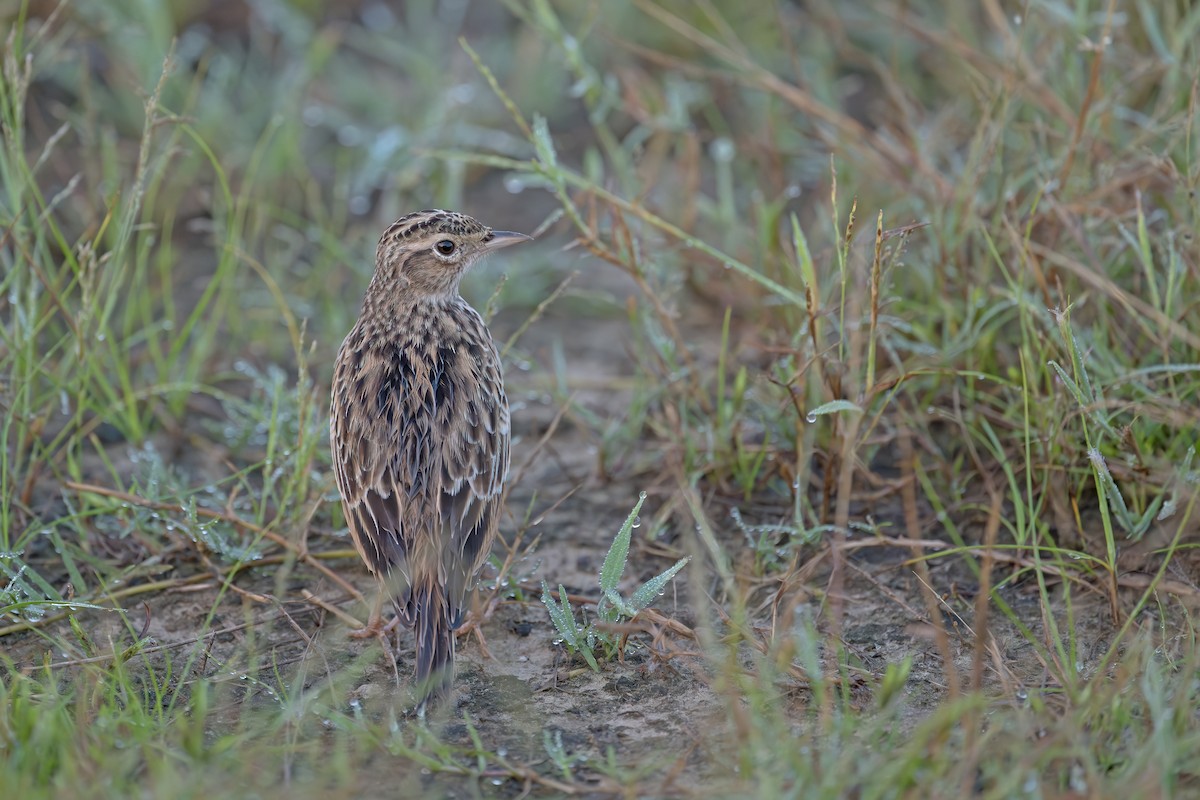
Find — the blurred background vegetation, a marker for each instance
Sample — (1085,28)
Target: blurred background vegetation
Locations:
(856,291)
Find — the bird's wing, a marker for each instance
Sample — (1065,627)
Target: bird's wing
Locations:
(474,457)
(382,456)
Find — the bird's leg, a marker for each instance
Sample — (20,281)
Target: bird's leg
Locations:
(375,624)
(473,623)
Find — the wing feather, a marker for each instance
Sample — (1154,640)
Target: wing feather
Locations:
(474,458)
(367,431)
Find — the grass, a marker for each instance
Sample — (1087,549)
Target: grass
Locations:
(909,366)
(611,609)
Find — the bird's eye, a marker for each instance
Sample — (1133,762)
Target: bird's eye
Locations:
(445,247)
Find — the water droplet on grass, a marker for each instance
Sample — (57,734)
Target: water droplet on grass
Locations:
(461,94)
(378,17)
(312,115)
(722,149)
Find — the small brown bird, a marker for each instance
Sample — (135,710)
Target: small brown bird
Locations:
(419,429)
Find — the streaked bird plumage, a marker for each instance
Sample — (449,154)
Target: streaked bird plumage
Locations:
(420,429)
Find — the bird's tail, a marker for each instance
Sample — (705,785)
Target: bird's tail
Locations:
(434,630)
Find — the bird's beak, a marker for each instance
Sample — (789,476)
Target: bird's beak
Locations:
(504,239)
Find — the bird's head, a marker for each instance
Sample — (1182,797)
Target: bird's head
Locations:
(426,254)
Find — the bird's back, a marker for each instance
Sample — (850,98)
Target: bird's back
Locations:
(420,436)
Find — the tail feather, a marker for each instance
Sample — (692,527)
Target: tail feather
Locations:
(435,643)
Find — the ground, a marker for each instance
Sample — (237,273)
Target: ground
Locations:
(890,313)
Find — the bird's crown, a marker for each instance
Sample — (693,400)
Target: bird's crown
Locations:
(420,224)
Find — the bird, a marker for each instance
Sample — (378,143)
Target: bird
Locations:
(419,430)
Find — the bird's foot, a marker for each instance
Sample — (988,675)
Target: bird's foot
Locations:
(376,627)
(473,624)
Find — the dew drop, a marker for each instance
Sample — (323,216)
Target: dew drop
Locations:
(312,115)
(461,94)
(378,17)
(722,150)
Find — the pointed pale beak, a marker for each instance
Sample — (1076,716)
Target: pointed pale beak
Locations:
(504,239)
